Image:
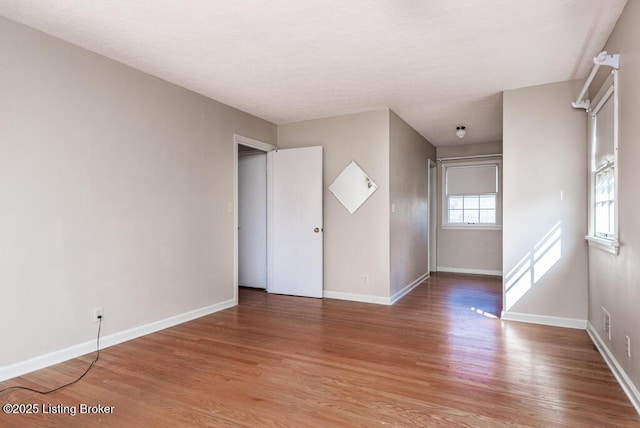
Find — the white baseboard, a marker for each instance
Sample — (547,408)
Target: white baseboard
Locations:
(545,320)
(401,293)
(378,300)
(364,298)
(75,351)
(621,376)
(470,271)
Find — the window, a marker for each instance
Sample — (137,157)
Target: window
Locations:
(603,117)
(472,209)
(604,202)
(471,194)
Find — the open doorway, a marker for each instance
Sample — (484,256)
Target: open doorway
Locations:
(250,219)
(291,239)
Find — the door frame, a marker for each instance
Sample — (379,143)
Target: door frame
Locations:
(433,215)
(258,145)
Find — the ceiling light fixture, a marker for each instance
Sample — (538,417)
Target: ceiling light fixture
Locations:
(461,131)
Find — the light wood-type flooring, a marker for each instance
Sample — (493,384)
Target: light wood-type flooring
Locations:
(439,357)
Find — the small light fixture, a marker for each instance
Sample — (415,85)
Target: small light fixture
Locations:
(461,131)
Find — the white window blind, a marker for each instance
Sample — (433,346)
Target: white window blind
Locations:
(604,152)
(472,180)
(471,194)
(603,198)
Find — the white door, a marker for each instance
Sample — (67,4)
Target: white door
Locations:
(295,221)
(252,220)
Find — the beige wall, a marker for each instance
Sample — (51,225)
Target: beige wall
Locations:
(614,281)
(472,251)
(115,187)
(409,155)
(469,150)
(354,245)
(545,190)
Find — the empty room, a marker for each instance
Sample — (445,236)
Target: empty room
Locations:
(324,214)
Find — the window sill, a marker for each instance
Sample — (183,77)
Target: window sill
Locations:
(470,227)
(608,245)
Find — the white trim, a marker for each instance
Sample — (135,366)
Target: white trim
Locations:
(470,271)
(378,300)
(364,298)
(477,226)
(456,158)
(75,351)
(444,203)
(616,131)
(545,320)
(433,215)
(407,289)
(608,245)
(429,219)
(621,376)
(250,142)
(236,221)
(270,207)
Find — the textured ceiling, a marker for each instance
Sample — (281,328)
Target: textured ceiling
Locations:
(436,63)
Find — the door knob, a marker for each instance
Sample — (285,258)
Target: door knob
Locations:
(316,230)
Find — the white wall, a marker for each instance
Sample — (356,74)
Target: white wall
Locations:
(544,205)
(471,251)
(358,244)
(115,189)
(614,281)
(409,155)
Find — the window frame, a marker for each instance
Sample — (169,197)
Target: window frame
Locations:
(605,242)
(478,208)
(444,224)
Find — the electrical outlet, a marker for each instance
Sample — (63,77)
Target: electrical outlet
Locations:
(97,312)
(606,323)
(365,279)
(627,346)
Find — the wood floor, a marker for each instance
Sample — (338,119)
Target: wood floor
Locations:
(439,357)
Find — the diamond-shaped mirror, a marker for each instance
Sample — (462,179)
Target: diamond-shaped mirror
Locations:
(353,187)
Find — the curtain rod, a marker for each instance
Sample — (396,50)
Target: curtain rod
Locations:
(603,58)
(495,155)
